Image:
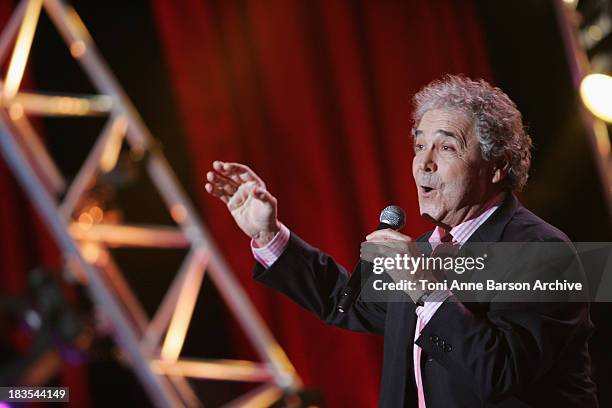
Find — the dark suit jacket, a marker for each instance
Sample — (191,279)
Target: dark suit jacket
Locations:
(474,354)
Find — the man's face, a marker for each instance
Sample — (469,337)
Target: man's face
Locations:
(451,176)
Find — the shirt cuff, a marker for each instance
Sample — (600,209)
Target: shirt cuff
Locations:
(268,254)
(431,305)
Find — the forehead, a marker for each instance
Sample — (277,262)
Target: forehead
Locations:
(445,119)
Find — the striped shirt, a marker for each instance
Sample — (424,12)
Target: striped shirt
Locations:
(459,234)
(268,254)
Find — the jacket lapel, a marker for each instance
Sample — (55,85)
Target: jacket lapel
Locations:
(492,229)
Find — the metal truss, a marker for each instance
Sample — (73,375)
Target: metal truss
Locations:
(152,346)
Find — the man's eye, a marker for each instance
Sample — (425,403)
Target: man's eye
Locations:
(448,148)
(419,146)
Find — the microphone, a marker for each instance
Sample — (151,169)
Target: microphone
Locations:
(392,217)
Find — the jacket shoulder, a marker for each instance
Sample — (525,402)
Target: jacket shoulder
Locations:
(525,226)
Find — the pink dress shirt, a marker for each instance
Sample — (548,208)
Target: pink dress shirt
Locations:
(459,234)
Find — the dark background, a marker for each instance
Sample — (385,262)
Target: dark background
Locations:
(520,51)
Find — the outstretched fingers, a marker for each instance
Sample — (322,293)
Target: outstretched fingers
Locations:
(234,182)
(221,182)
(218,192)
(237,172)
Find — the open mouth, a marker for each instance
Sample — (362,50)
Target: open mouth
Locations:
(426,190)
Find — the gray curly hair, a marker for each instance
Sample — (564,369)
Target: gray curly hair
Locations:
(497,122)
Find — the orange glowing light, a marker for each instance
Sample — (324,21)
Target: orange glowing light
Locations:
(77,49)
(85,221)
(90,252)
(96,214)
(16,111)
(178,213)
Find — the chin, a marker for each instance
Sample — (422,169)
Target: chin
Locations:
(433,214)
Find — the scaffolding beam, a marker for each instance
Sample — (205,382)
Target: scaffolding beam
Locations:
(86,239)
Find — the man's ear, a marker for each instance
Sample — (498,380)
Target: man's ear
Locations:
(501,168)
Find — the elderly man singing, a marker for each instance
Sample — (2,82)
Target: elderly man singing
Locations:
(471,153)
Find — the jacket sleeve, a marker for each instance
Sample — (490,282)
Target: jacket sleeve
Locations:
(315,281)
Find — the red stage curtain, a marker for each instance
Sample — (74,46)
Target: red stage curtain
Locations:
(315,97)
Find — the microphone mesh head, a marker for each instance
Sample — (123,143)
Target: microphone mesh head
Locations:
(394,216)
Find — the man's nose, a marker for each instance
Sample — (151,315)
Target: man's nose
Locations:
(427,163)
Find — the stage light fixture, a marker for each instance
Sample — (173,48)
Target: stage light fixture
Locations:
(596,94)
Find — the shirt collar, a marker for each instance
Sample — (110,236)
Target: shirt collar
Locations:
(462,232)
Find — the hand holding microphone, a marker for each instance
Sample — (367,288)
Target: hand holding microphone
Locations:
(392,218)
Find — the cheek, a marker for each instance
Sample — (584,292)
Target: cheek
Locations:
(455,175)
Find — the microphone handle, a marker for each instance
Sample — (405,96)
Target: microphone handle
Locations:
(352,289)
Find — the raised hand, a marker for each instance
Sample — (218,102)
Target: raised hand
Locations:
(254,209)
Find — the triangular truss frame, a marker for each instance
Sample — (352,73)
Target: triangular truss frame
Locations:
(152,345)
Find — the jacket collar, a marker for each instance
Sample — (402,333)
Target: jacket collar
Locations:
(491,230)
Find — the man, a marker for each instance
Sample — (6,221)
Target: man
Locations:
(471,154)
